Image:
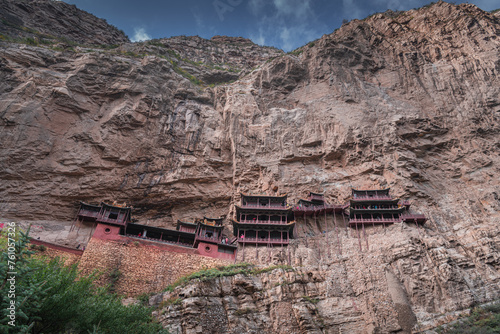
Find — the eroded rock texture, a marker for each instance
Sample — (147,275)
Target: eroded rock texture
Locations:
(408,100)
(49,19)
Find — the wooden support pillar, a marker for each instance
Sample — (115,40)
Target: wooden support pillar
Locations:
(244,241)
(269,245)
(339,246)
(305,227)
(288,249)
(366,238)
(316,224)
(295,227)
(343,220)
(257,246)
(359,239)
(327,240)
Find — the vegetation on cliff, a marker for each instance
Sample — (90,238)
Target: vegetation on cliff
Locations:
(49,297)
(483,320)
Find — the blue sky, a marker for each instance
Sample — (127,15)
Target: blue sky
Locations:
(286,24)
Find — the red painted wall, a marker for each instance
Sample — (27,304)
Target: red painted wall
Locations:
(108,232)
(212,250)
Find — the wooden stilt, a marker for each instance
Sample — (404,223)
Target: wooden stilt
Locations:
(257,248)
(343,219)
(337,233)
(359,239)
(269,245)
(305,228)
(327,240)
(289,257)
(366,238)
(244,242)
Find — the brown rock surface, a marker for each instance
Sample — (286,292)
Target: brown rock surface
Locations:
(408,100)
(49,19)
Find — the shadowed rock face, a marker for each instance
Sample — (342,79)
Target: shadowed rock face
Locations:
(408,100)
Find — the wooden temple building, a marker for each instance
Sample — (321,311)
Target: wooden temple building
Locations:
(104,213)
(263,220)
(378,207)
(206,235)
(315,205)
(260,220)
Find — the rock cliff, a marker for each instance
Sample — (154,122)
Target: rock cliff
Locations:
(403,100)
(51,20)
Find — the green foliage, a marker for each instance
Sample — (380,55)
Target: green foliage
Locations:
(144,298)
(311,300)
(483,320)
(185,74)
(494,11)
(297,52)
(170,301)
(221,271)
(243,311)
(53,298)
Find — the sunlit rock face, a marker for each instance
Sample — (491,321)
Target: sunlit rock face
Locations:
(402,100)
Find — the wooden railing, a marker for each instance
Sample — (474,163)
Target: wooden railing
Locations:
(413,216)
(110,221)
(374,220)
(316,197)
(317,208)
(377,208)
(88,213)
(260,221)
(263,241)
(211,239)
(378,197)
(267,206)
(161,240)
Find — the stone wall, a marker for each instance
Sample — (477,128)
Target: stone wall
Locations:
(144,266)
(69,255)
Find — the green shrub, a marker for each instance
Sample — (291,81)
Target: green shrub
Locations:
(53,298)
(483,320)
(221,271)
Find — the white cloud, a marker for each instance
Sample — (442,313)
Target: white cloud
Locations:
(351,10)
(140,35)
(259,39)
(297,8)
(256,6)
(286,24)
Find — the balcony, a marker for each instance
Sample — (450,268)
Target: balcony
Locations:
(177,243)
(373,198)
(316,197)
(355,221)
(266,206)
(209,239)
(111,221)
(88,213)
(378,208)
(263,241)
(260,221)
(320,208)
(414,217)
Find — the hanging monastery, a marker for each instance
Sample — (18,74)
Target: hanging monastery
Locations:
(260,220)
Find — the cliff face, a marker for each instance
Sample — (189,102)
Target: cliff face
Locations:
(408,100)
(53,20)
